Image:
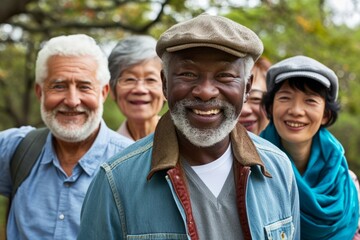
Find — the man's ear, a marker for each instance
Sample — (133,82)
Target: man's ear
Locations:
(38,91)
(249,83)
(105,91)
(164,83)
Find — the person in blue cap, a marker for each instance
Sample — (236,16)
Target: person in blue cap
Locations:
(301,103)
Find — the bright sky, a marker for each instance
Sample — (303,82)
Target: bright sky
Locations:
(346,12)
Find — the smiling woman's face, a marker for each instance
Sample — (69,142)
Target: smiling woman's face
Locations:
(253,115)
(139,91)
(297,115)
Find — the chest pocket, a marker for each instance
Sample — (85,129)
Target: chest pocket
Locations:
(281,230)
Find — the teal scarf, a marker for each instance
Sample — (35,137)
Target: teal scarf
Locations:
(328,198)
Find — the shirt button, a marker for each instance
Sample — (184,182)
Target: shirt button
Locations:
(61,216)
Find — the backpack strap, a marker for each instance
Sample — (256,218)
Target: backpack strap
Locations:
(26,155)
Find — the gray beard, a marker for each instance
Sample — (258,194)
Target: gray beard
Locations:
(203,137)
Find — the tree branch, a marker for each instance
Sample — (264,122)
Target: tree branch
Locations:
(10,8)
(56,24)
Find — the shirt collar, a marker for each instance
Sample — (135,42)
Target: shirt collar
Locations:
(92,158)
(91,161)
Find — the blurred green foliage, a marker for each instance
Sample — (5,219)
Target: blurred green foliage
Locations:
(347,131)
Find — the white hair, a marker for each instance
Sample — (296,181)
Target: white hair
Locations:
(72,45)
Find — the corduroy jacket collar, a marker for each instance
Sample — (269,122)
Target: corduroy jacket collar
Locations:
(166,154)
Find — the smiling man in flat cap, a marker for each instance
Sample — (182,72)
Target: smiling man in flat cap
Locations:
(201,175)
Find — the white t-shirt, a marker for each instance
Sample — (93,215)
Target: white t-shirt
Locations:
(215,173)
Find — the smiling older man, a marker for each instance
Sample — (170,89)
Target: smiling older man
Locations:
(200,175)
(72,84)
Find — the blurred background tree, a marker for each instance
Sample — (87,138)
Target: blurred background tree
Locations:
(316,28)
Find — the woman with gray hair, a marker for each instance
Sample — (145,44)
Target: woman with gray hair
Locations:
(136,85)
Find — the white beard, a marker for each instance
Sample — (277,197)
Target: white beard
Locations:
(72,131)
(203,137)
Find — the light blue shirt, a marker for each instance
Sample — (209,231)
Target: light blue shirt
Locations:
(48,203)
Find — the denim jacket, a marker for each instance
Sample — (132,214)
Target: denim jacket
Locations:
(142,192)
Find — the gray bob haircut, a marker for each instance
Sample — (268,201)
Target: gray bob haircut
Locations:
(72,46)
(129,52)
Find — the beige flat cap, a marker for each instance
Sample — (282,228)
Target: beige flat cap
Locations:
(211,31)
